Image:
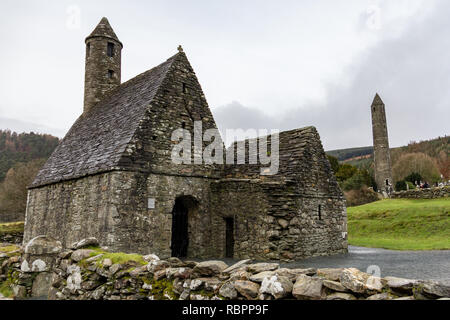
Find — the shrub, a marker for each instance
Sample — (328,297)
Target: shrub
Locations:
(414,177)
(346,171)
(400,185)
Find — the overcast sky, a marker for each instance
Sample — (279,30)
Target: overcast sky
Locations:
(262,64)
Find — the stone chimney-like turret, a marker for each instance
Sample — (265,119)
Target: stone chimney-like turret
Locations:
(103,64)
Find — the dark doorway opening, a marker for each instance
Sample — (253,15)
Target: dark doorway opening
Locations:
(229,238)
(180,225)
(180,237)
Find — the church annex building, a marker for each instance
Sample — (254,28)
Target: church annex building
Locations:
(112,177)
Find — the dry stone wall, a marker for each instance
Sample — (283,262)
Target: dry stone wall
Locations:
(432,193)
(87,272)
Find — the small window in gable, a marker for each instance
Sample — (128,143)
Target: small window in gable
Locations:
(110,74)
(88,50)
(320,212)
(184,87)
(110,50)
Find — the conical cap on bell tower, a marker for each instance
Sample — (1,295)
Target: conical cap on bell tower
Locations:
(104,30)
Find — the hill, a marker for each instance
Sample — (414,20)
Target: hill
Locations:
(351,153)
(401,224)
(438,149)
(23,147)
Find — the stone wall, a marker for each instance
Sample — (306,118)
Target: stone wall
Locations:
(11,237)
(113,207)
(87,272)
(433,193)
(273,221)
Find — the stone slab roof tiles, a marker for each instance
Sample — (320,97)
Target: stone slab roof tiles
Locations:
(99,137)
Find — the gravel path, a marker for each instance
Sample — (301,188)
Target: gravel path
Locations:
(423,265)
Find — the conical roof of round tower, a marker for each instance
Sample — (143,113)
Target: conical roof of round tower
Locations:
(104,30)
(377,100)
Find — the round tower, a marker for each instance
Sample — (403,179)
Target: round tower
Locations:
(382,157)
(103,64)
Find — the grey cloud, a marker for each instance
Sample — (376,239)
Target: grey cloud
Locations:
(412,75)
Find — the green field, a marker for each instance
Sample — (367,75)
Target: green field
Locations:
(401,224)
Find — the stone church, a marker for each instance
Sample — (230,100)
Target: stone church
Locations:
(112,177)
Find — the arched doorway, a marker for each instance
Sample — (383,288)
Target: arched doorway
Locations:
(184,206)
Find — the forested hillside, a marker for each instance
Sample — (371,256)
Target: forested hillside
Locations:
(23,147)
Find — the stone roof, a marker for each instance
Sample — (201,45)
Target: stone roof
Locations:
(104,30)
(377,100)
(301,159)
(99,137)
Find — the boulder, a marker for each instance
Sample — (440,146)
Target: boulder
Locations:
(81,254)
(175,262)
(380,296)
(43,245)
(308,288)
(259,277)
(115,268)
(400,284)
(292,274)
(263,266)
(195,284)
(88,242)
(334,285)
(246,288)
(332,274)
(74,279)
(227,290)
(360,282)
(107,263)
(209,268)
(436,289)
(277,286)
(341,296)
(151,257)
(181,272)
(210,284)
(240,275)
(236,266)
(157,265)
(136,272)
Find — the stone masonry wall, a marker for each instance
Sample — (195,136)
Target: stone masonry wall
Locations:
(113,207)
(273,221)
(432,193)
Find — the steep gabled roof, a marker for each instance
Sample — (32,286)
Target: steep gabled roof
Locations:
(98,138)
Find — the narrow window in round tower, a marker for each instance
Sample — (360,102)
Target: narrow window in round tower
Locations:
(110,49)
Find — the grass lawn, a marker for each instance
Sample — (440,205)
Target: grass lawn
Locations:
(401,224)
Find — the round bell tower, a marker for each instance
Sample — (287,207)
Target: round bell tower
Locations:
(103,64)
